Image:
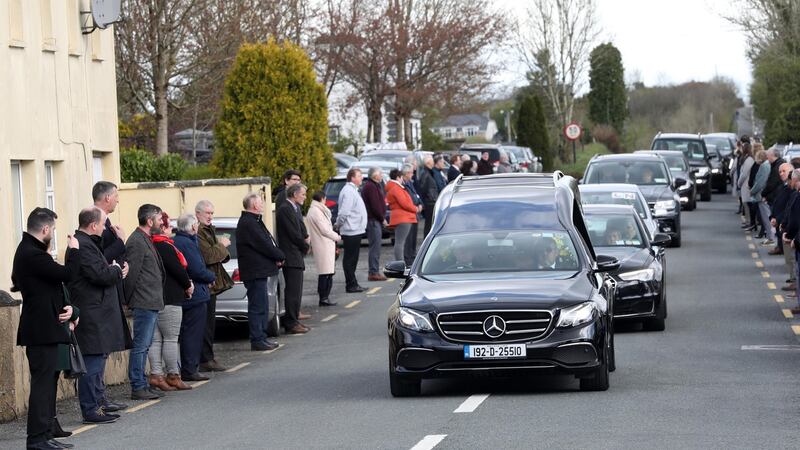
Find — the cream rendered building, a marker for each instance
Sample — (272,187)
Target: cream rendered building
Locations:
(58,116)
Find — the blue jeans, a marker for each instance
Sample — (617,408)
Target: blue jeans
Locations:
(144,324)
(257,309)
(193,328)
(91,390)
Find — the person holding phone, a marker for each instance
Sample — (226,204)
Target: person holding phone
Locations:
(44,312)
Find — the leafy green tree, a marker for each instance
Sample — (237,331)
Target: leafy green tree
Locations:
(432,141)
(775,94)
(532,128)
(607,93)
(273,116)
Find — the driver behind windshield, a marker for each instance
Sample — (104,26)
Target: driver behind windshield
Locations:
(647,175)
(545,252)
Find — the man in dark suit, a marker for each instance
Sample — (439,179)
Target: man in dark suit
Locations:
(106,197)
(41,326)
(260,260)
(293,240)
(101,332)
(455,168)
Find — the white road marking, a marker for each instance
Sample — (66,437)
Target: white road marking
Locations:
(778,298)
(352,304)
(764,274)
(198,384)
(471,403)
(428,442)
(787,313)
(82,429)
(771,285)
(143,406)
(329,318)
(794,348)
(235,368)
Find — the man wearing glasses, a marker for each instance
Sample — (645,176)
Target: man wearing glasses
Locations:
(290,177)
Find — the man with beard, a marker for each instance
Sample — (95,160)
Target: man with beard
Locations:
(44,312)
(144,295)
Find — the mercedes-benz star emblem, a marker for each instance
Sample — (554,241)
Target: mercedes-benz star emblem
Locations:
(494,326)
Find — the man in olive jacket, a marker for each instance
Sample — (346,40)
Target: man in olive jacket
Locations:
(293,240)
(41,325)
(95,291)
(144,295)
(260,260)
(215,253)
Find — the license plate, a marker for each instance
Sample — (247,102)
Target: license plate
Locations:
(497,351)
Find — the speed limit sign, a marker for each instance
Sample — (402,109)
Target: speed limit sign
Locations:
(572,131)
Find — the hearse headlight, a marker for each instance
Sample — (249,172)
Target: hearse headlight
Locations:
(577,315)
(414,320)
(638,275)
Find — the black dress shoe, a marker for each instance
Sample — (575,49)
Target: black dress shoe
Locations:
(110,406)
(193,377)
(61,444)
(57,431)
(144,394)
(327,302)
(42,445)
(263,346)
(354,289)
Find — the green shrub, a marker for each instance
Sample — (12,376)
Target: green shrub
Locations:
(169,167)
(137,165)
(274,116)
(198,172)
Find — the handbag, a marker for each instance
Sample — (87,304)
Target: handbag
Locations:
(77,367)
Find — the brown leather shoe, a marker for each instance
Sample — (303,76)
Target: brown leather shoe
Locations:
(789,287)
(376,277)
(303,316)
(158,381)
(775,251)
(175,381)
(298,329)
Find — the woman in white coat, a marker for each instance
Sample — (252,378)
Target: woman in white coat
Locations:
(743,183)
(323,245)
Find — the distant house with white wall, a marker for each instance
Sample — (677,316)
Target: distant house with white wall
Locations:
(460,127)
(347,118)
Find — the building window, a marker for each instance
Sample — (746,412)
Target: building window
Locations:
(471,132)
(97,167)
(16,27)
(46,13)
(50,199)
(74,28)
(16,193)
(448,132)
(333,135)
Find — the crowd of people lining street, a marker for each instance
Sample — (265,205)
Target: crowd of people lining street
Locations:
(166,275)
(767,188)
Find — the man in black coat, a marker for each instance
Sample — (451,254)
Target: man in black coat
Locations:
(41,326)
(260,260)
(294,242)
(429,191)
(774,180)
(95,292)
(455,168)
(106,197)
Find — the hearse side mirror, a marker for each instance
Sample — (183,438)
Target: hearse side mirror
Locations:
(395,269)
(678,182)
(661,240)
(607,263)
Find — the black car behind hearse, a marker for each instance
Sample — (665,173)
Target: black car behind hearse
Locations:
(506,283)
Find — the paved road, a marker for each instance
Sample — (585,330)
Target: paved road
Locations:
(691,386)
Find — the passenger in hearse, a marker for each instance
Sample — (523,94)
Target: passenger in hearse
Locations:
(546,253)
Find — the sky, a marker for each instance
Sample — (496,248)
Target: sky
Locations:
(666,42)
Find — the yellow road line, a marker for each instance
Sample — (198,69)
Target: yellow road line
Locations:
(771,285)
(199,383)
(749,238)
(267,352)
(778,298)
(796,329)
(374,290)
(787,313)
(751,246)
(142,406)
(235,368)
(82,429)
(764,274)
(760,265)
(754,255)
(352,304)
(329,318)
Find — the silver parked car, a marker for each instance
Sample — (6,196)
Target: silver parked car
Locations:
(232,304)
(620,194)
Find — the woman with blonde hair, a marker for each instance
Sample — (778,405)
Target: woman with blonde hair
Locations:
(760,208)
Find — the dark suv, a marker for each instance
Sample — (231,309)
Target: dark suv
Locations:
(506,282)
(694,148)
(651,173)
